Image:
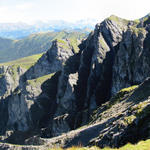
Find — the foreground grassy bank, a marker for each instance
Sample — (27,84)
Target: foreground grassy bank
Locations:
(143,145)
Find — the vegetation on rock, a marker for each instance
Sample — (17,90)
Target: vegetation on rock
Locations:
(142,145)
(39,80)
(77,89)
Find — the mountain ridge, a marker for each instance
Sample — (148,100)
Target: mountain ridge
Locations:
(35,43)
(98,95)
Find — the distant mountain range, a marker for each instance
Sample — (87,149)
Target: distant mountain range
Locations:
(21,30)
(35,43)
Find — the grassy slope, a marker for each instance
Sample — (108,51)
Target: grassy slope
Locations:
(129,108)
(40,80)
(34,44)
(25,62)
(143,145)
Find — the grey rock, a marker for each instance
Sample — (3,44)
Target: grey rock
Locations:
(114,56)
(131,65)
(24,92)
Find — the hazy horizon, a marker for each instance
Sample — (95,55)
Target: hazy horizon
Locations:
(30,11)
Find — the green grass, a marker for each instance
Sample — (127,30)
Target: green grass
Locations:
(39,80)
(141,110)
(34,44)
(120,95)
(25,62)
(61,41)
(103,43)
(118,20)
(136,21)
(142,145)
(129,120)
(139,107)
(74,43)
(114,18)
(129,89)
(63,44)
(137,31)
(1,75)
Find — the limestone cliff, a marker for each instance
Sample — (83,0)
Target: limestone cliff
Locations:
(25,98)
(63,88)
(114,56)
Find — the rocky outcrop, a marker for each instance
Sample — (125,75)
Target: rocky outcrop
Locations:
(123,119)
(52,61)
(63,88)
(131,64)
(93,78)
(117,122)
(26,101)
(107,35)
(64,117)
(9,78)
(111,58)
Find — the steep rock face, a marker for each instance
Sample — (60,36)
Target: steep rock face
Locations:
(97,73)
(84,82)
(9,78)
(131,64)
(87,85)
(18,113)
(107,35)
(72,90)
(53,60)
(113,57)
(64,118)
(28,102)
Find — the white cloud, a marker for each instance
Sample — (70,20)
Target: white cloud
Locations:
(31,10)
(24,6)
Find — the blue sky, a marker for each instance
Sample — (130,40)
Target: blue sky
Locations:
(30,11)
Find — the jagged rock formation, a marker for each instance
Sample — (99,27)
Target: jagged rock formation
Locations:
(63,88)
(131,65)
(123,119)
(27,100)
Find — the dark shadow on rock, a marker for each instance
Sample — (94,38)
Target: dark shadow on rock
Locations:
(47,101)
(86,136)
(103,88)
(42,112)
(139,129)
(3,115)
(141,93)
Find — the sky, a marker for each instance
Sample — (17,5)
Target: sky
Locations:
(30,11)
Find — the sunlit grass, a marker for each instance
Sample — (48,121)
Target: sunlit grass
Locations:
(143,145)
(25,62)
